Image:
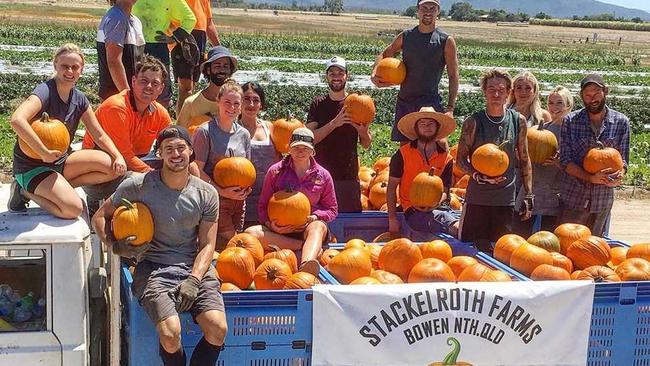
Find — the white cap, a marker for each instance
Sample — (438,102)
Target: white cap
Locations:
(437,2)
(338,62)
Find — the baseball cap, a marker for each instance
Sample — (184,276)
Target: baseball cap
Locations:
(592,79)
(218,52)
(437,2)
(302,136)
(174,131)
(338,62)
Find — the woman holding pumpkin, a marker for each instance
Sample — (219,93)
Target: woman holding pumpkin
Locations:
(298,172)
(263,153)
(222,137)
(45,169)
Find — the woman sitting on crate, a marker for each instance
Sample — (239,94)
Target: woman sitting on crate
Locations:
(44,166)
(426,153)
(299,172)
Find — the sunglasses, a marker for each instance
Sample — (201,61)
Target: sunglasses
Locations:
(308,139)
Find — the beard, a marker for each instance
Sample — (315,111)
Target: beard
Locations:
(336,88)
(218,79)
(425,139)
(597,109)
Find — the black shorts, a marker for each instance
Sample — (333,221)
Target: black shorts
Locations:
(485,224)
(152,282)
(182,69)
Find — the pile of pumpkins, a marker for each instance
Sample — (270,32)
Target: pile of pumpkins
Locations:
(246,264)
(572,253)
(402,261)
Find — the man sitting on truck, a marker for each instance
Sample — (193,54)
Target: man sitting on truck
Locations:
(174,272)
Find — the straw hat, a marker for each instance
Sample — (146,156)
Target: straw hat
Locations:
(406,124)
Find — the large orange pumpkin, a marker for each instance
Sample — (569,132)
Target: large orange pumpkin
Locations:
(386,277)
(489,159)
(366,175)
(272,274)
(547,272)
(377,195)
(506,245)
(391,70)
(542,144)
(365,280)
(598,274)
(52,133)
(546,240)
(381,164)
(381,177)
(234,172)
(459,263)
(350,264)
(399,256)
(133,219)
(639,251)
(300,280)
(227,286)
(495,276)
(431,270)
(285,255)
(360,108)
(237,266)
(374,250)
(527,257)
(289,208)
(576,274)
(281,132)
(355,243)
(426,190)
(634,269)
(560,260)
(327,256)
(436,249)
(618,255)
(601,157)
(473,273)
(250,243)
(588,252)
(568,233)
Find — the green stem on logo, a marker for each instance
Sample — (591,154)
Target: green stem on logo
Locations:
(452,357)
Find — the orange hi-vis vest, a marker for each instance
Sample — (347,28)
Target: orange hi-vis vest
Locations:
(414,164)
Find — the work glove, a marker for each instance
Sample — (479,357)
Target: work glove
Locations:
(185,293)
(184,40)
(125,248)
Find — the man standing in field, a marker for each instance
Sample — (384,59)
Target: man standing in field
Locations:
(588,198)
(336,137)
(426,51)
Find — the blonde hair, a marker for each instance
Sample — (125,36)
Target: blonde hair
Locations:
(535,107)
(230,85)
(69,48)
(565,94)
(493,74)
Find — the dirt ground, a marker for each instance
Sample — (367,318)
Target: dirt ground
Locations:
(631,221)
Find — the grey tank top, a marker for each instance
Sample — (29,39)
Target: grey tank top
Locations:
(502,194)
(424,57)
(263,155)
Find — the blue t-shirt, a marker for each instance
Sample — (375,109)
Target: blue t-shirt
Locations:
(69,113)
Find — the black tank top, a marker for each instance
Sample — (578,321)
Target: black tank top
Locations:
(424,57)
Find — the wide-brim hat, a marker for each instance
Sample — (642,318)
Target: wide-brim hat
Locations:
(406,124)
(218,52)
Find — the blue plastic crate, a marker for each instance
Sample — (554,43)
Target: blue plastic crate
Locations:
(264,328)
(363,225)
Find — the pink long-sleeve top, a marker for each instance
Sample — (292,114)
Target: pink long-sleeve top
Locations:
(317,185)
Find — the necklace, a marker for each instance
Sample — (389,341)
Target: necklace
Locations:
(493,121)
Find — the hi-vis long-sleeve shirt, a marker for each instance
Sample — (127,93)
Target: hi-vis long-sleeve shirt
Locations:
(158,15)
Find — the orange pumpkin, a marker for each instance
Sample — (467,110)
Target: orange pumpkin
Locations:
(366,175)
(374,250)
(327,256)
(199,119)
(601,157)
(598,274)
(426,190)
(289,208)
(588,252)
(364,203)
(386,237)
(391,70)
(458,172)
(490,160)
(381,164)
(527,257)
(272,274)
(547,272)
(542,144)
(576,274)
(281,132)
(285,255)
(495,276)
(234,172)
(350,264)
(562,261)
(237,266)
(454,202)
(431,270)
(460,192)
(618,255)
(52,133)
(377,195)
(459,263)
(463,182)
(355,243)
(386,277)
(568,233)
(192,129)
(473,273)
(506,245)
(250,243)
(300,280)
(634,269)
(360,109)
(436,249)
(381,177)
(365,280)
(399,256)
(227,286)
(133,219)
(546,240)
(639,251)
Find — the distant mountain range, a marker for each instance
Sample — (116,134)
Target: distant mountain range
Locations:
(555,8)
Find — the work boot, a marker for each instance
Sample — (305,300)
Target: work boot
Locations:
(17,202)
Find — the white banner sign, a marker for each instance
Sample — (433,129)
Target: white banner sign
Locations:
(517,323)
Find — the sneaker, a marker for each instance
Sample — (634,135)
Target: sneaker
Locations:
(16,201)
(311,266)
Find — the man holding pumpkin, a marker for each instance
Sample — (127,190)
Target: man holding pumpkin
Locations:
(174,272)
(424,154)
(336,136)
(492,141)
(587,195)
(426,51)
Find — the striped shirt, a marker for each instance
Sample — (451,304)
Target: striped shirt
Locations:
(577,137)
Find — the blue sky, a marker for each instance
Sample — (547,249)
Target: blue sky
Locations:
(635,4)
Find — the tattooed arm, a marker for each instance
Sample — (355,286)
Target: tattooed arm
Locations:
(524,160)
(465,143)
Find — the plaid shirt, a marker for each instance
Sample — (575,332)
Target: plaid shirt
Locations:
(577,137)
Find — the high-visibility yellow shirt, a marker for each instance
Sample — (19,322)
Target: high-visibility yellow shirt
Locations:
(158,15)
